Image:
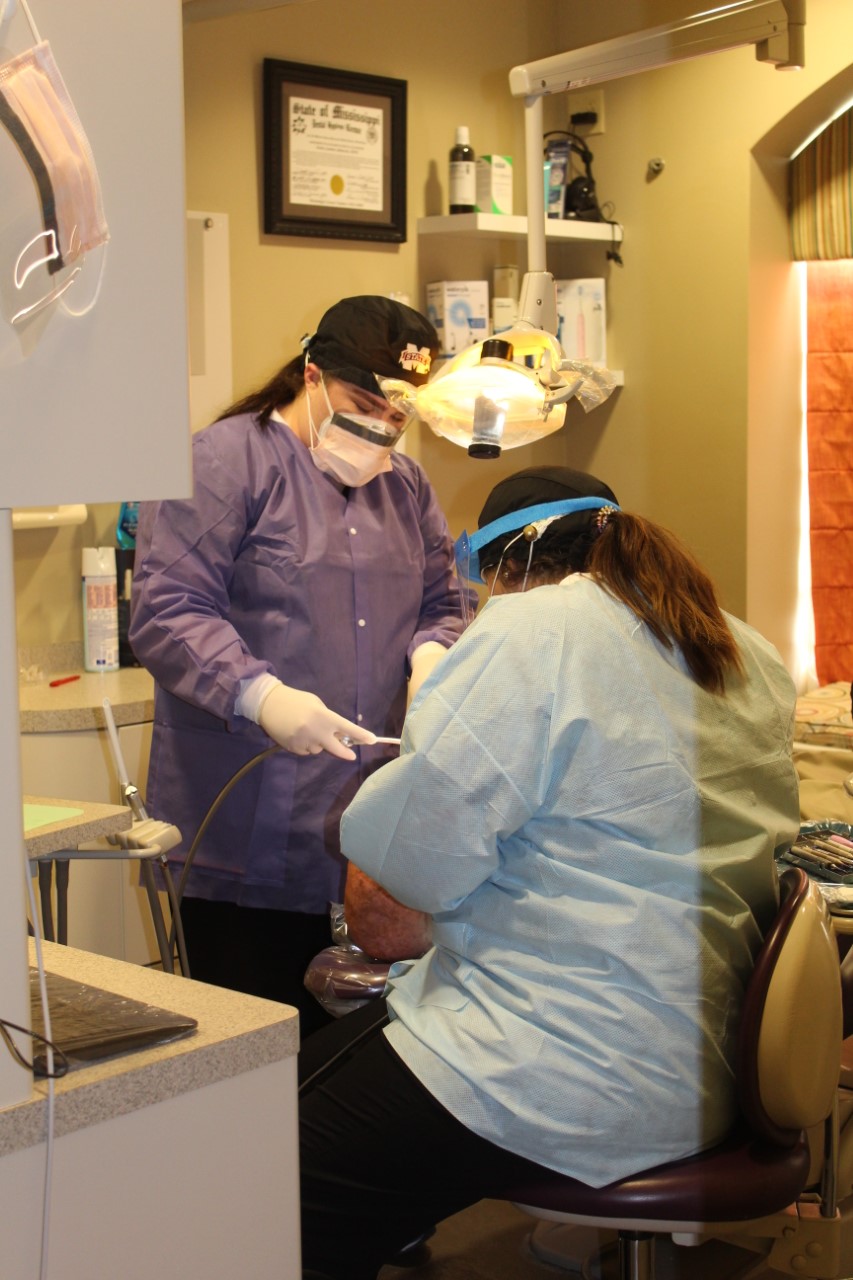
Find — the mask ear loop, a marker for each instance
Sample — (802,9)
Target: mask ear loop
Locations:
(21,272)
(536,536)
(4,14)
(533,532)
(511,543)
(314,434)
(30,20)
(84,311)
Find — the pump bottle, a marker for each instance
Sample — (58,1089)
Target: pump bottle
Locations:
(463,174)
(100,611)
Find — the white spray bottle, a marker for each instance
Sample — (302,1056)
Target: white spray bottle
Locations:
(100,609)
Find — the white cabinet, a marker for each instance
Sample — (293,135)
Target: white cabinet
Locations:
(107,912)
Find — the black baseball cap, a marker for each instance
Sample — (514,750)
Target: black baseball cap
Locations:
(544,484)
(369,334)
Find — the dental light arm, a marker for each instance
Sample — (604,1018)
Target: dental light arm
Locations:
(775,27)
(488,399)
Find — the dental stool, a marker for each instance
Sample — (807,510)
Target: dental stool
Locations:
(748,1186)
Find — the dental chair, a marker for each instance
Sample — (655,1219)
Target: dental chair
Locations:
(771,1187)
(341,977)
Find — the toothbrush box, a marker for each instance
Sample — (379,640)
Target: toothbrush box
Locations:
(494,184)
(582,319)
(459,309)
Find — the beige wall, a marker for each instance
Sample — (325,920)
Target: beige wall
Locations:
(454,58)
(48,593)
(702,315)
(706,308)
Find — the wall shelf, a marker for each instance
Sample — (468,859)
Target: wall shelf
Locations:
(515,227)
(49,517)
(495,226)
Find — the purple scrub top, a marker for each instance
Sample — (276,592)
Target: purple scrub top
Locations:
(274,567)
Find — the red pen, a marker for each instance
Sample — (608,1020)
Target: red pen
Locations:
(54,684)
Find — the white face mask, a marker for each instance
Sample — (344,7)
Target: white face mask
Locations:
(352,447)
(37,111)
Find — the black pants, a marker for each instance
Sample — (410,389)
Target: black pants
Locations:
(260,952)
(381,1161)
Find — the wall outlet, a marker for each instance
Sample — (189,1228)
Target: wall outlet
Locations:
(583,101)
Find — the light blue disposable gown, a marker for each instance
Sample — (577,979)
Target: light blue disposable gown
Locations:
(595,836)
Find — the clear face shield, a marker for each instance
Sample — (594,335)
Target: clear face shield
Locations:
(354,442)
(386,415)
(527,524)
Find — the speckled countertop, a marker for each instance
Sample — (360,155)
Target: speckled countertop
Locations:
(93,821)
(236,1033)
(78,704)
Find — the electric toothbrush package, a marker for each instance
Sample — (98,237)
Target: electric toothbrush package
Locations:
(582,319)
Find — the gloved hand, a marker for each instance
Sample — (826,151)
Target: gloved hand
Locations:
(300,722)
(423,660)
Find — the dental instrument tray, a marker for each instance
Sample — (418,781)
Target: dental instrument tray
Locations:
(88,1023)
(825,851)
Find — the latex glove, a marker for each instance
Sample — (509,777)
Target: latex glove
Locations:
(423,660)
(300,722)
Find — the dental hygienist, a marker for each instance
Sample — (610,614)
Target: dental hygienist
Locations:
(591,789)
(306,587)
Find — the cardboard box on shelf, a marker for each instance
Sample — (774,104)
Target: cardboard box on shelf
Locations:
(582,319)
(504,312)
(459,309)
(494,184)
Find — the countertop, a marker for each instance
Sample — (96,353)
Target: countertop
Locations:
(78,704)
(236,1033)
(93,821)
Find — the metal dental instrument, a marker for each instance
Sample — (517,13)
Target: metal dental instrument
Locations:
(347,741)
(129,792)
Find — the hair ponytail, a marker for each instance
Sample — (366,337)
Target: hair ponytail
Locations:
(281,389)
(650,571)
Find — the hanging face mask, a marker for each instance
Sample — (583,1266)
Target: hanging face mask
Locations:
(38,114)
(353,447)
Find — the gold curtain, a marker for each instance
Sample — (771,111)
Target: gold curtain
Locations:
(822,194)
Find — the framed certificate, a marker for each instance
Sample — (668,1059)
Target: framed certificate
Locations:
(334,153)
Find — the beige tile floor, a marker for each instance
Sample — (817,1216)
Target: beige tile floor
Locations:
(491,1241)
(485,1242)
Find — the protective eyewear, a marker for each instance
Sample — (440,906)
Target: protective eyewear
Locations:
(382,419)
(468,546)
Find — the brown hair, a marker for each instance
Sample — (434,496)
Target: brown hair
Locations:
(281,389)
(649,570)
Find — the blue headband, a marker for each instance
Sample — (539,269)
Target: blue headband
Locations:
(467,548)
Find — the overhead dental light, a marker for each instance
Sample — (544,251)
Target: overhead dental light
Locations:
(513,389)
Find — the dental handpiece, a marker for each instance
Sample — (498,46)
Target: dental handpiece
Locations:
(347,741)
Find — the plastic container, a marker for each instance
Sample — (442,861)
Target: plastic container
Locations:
(128,520)
(100,609)
(463,174)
